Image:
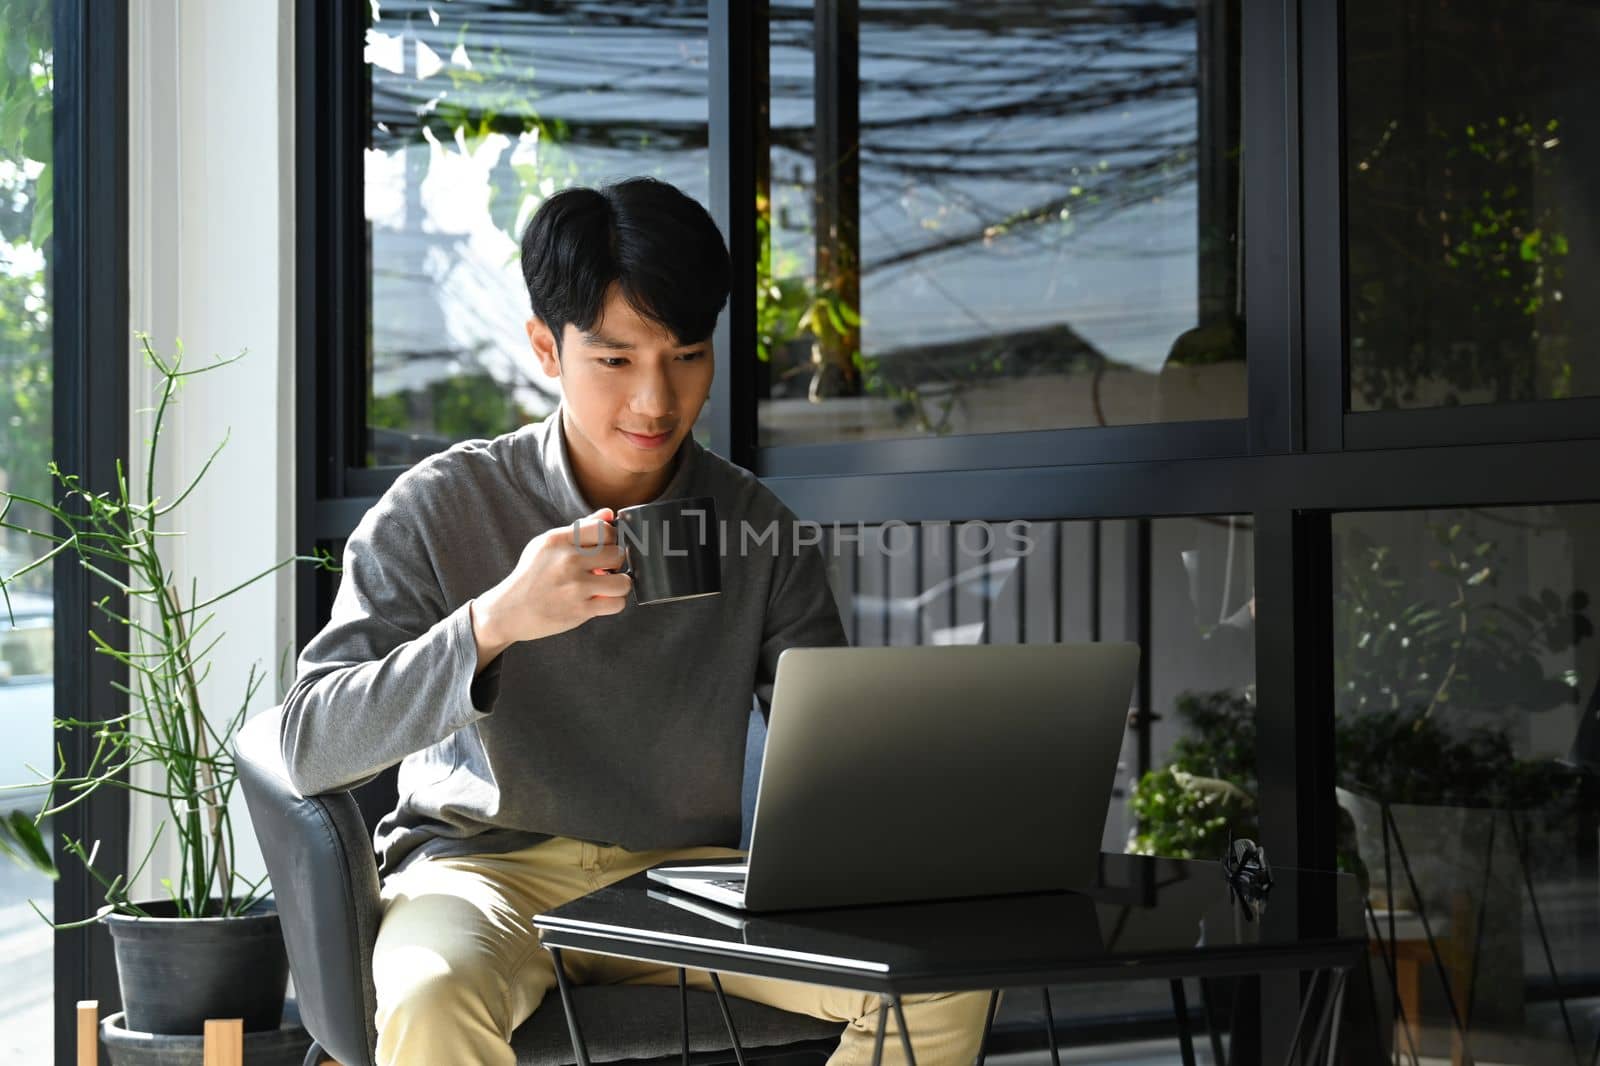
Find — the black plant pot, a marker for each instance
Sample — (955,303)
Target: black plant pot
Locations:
(175,972)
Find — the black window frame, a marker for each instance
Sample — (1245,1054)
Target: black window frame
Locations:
(1298,457)
(90,340)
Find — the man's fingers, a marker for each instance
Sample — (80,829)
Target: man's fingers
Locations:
(609,604)
(607,586)
(601,557)
(595,529)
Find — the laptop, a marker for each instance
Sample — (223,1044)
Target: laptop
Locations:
(903,774)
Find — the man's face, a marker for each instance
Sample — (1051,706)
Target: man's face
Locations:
(632,391)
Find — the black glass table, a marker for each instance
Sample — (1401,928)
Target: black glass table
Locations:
(1146,918)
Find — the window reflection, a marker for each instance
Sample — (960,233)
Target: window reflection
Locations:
(480,110)
(27,683)
(1001,217)
(1472,150)
(1465,666)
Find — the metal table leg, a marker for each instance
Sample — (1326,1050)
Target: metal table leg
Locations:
(1212,1030)
(1338,1018)
(1322,1036)
(905,1034)
(683,1011)
(727,1017)
(1305,1013)
(1050,1027)
(883,1027)
(1180,1008)
(1324,1039)
(565,987)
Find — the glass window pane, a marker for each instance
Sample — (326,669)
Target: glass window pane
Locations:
(27,690)
(480,110)
(1473,146)
(1032,223)
(1466,664)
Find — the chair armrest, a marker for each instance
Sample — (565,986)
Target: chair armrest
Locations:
(325,880)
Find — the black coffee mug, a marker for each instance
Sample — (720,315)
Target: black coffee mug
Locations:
(672,549)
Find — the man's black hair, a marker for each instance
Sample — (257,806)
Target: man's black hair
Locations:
(658,245)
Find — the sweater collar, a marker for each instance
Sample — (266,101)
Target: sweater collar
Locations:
(560,486)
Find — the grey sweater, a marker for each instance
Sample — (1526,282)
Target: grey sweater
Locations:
(629,729)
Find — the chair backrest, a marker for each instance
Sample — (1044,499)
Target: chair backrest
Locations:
(318,852)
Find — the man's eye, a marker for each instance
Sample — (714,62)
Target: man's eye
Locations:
(690,357)
(612,361)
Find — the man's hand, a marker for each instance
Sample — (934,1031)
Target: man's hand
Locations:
(559,583)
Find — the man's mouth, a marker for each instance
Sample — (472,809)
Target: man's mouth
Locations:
(647,440)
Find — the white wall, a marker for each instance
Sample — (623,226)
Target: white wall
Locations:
(211,262)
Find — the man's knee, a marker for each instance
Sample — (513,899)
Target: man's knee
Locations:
(433,995)
(437,1016)
(967,1005)
(462,999)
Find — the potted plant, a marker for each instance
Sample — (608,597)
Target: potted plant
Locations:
(1189,808)
(212,948)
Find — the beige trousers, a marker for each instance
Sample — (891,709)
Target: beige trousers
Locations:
(458,966)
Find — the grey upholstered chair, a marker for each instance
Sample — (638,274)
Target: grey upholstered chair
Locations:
(318,850)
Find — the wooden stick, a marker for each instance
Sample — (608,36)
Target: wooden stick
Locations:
(224,1042)
(88,1032)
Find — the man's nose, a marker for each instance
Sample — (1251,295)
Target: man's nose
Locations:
(654,398)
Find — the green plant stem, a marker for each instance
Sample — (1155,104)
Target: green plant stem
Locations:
(207,781)
(166,731)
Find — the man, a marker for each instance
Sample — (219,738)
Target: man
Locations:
(552,737)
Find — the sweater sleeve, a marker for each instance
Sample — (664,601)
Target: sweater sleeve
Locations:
(801,611)
(393,670)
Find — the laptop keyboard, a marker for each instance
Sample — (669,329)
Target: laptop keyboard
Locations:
(731,885)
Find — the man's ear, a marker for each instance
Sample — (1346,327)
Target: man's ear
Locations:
(543,342)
